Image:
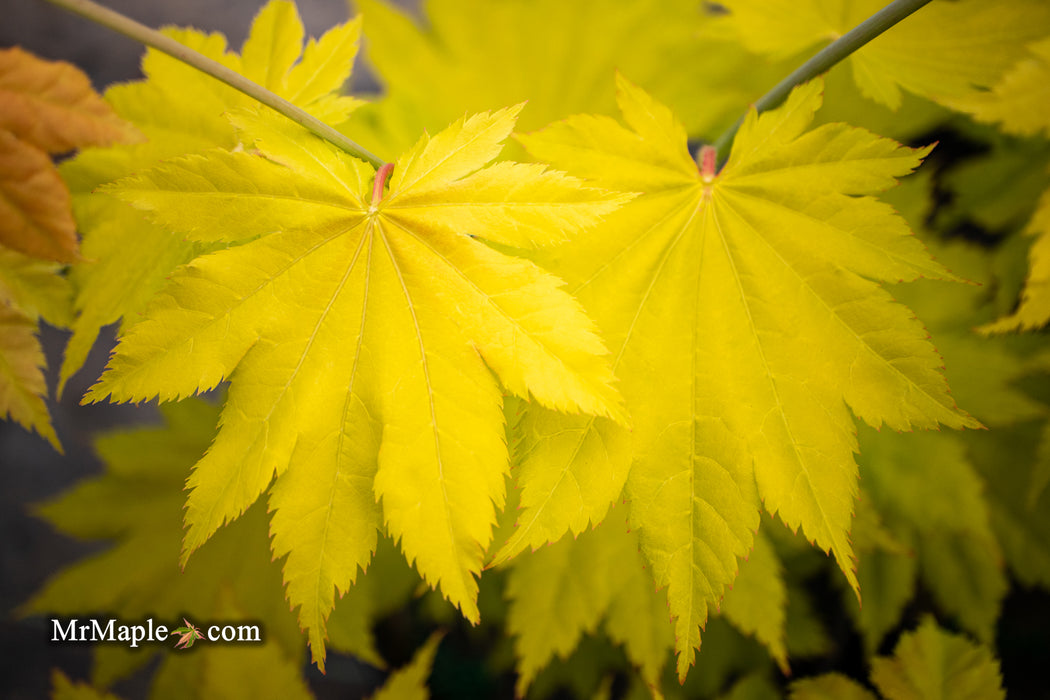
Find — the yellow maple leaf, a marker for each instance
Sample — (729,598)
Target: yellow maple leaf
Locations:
(361,331)
(22,383)
(744,323)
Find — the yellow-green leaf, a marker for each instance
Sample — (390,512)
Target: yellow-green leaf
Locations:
(388,587)
(30,290)
(138,502)
(562,592)
(945,51)
(410,682)
(1008,460)
(925,485)
(275,43)
(64,689)
(571,471)
(887,582)
(236,671)
(558,594)
(357,335)
(757,602)
(930,663)
(22,386)
(325,65)
(1034,309)
(966,576)
(35,287)
(745,319)
(474,55)
(1018,101)
(830,686)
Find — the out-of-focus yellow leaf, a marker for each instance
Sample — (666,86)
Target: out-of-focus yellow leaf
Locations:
(561,592)
(559,57)
(1034,309)
(931,663)
(64,689)
(757,602)
(945,51)
(410,681)
(137,503)
(1020,101)
(21,375)
(830,686)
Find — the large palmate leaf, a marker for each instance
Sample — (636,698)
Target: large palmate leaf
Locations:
(181,110)
(360,331)
(744,322)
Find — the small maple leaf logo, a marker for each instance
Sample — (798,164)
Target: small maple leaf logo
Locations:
(188,635)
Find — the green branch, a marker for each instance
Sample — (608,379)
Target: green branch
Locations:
(823,61)
(150,37)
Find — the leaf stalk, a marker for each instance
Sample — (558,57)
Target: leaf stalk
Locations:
(822,62)
(152,38)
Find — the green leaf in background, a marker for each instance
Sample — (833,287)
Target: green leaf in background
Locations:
(138,503)
(830,686)
(410,681)
(563,591)
(931,663)
(476,55)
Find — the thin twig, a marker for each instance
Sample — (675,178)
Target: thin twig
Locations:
(821,62)
(150,37)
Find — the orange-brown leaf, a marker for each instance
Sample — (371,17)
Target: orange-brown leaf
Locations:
(35,214)
(52,105)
